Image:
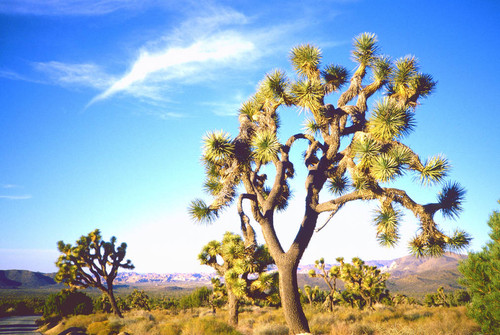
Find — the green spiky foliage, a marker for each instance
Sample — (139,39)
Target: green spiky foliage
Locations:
(338,185)
(387,223)
(481,276)
(364,285)
(265,146)
(407,84)
(362,280)
(365,49)
(217,147)
(390,121)
(305,60)
(434,170)
(335,76)
(330,277)
(353,151)
(243,266)
(92,262)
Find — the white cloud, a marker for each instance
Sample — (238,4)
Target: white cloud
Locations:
(70,7)
(178,63)
(16,197)
(65,74)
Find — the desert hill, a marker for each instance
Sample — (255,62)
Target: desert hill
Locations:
(409,275)
(24,278)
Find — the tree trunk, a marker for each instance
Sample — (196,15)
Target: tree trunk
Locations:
(112,300)
(290,299)
(233,304)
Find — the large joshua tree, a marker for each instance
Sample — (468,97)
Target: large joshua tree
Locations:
(352,152)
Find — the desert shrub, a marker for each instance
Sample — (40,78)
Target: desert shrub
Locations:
(271,329)
(26,306)
(208,326)
(362,329)
(138,300)
(198,298)
(101,328)
(170,329)
(67,302)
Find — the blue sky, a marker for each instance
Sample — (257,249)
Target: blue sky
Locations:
(105,102)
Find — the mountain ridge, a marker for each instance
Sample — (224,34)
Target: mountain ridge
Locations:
(408,273)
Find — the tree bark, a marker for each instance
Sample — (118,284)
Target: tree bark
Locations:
(233,304)
(290,299)
(112,300)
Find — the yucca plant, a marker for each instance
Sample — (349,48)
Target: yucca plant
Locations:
(243,264)
(352,151)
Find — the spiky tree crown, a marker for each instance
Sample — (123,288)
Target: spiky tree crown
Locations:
(355,152)
(243,267)
(92,262)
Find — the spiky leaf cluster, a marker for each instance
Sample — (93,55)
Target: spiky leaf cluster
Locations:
(265,146)
(390,121)
(450,200)
(387,222)
(408,84)
(338,184)
(306,60)
(308,94)
(200,211)
(217,147)
(334,76)
(365,48)
(434,170)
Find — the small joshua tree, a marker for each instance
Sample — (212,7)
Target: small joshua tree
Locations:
(244,268)
(363,280)
(92,262)
(330,277)
(353,154)
(360,280)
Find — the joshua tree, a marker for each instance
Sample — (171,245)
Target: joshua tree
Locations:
(330,277)
(92,262)
(351,152)
(360,280)
(363,280)
(243,267)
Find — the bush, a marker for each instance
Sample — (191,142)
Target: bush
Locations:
(482,278)
(67,302)
(138,300)
(208,326)
(199,298)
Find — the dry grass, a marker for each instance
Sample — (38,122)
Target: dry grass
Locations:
(403,320)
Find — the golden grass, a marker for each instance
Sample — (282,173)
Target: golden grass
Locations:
(401,320)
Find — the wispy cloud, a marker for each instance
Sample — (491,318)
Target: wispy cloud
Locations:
(64,74)
(10,186)
(177,63)
(197,49)
(70,7)
(16,197)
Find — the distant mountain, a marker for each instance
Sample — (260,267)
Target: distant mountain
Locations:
(409,275)
(23,278)
(157,278)
(417,276)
